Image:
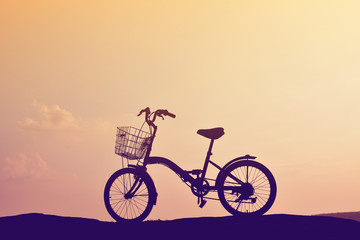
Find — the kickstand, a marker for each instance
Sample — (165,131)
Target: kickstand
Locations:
(201,202)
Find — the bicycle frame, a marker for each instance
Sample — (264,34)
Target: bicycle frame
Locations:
(185,175)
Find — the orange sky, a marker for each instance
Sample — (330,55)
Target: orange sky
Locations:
(281,77)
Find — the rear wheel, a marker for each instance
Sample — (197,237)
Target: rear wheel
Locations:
(246,187)
(129,195)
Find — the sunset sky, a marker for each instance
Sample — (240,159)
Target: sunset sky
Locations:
(281,77)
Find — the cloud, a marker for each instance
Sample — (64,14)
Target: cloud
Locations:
(53,119)
(24,166)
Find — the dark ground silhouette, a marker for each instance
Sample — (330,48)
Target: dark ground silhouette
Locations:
(277,226)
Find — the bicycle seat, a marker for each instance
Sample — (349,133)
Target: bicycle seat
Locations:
(213,133)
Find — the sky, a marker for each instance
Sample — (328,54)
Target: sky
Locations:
(281,77)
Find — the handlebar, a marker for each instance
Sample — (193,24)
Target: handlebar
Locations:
(158,113)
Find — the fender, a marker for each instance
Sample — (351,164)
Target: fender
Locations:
(142,169)
(246,157)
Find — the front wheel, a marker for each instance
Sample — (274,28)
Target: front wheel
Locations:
(129,195)
(246,187)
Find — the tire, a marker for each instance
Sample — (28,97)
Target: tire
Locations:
(129,195)
(255,197)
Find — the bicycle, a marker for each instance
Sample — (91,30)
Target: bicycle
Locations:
(243,185)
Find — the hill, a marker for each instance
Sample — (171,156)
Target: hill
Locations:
(277,226)
(347,215)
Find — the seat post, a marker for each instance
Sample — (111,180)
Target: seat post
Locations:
(209,153)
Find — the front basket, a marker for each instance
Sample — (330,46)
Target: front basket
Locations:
(131,143)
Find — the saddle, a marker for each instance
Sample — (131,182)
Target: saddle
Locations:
(213,133)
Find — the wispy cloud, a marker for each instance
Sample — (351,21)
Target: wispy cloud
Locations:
(25,166)
(52,119)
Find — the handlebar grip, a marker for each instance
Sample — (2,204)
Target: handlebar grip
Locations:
(171,115)
(167,113)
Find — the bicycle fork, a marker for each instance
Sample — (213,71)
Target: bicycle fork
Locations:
(133,189)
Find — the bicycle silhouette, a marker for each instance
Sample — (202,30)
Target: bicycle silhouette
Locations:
(244,186)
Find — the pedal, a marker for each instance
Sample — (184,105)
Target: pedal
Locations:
(202,203)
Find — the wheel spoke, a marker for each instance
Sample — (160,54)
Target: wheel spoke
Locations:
(127,195)
(255,195)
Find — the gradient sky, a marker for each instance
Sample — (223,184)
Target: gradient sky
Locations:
(282,78)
